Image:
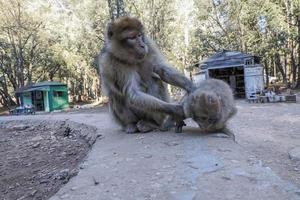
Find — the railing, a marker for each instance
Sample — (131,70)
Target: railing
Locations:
(23,110)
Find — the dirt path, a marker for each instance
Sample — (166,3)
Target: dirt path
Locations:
(188,165)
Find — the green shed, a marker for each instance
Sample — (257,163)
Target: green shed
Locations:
(44,96)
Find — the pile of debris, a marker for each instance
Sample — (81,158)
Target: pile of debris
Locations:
(273,95)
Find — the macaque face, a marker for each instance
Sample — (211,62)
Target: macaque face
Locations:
(135,44)
(206,110)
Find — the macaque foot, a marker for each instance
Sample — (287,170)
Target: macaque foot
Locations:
(131,128)
(145,126)
(178,127)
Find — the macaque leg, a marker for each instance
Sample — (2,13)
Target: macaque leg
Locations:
(146,126)
(131,128)
(124,116)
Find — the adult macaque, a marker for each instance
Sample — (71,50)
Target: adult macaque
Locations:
(133,73)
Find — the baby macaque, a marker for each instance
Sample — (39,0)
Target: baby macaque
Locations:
(210,106)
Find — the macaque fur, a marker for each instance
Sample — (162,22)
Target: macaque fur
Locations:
(211,105)
(134,75)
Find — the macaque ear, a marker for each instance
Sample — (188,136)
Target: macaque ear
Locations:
(109,30)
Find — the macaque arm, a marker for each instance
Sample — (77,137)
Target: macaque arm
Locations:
(141,100)
(147,102)
(173,77)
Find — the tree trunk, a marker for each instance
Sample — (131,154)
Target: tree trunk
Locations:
(116,8)
(298,38)
(267,72)
(293,65)
(280,67)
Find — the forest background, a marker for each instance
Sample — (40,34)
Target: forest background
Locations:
(59,40)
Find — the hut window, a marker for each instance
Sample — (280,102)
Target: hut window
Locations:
(249,62)
(27,95)
(58,94)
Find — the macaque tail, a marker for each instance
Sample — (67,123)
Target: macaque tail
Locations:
(230,134)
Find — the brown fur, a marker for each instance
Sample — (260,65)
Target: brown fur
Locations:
(211,105)
(133,74)
(125,23)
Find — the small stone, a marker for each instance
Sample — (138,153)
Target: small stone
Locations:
(44,181)
(171,143)
(73,188)
(20,127)
(36,145)
(33,192)
(179,155)
(294,154)
(148,156)
(63,175)
(21,198)
(96,182)
(193,167)
(226,178)
(64,196)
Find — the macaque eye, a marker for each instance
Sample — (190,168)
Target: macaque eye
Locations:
(131,37)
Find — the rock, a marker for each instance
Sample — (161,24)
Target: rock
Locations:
(96,182)
(33,192)
(44,181)
(63,175)
(171,143)
(36,145)
(20,127)
(294,154)
(148,156)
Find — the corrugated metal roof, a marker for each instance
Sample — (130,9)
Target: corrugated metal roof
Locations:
(36,86)
(225,58)
(44,88)
(48,83)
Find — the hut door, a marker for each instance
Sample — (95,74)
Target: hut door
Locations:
(253,80)
(38,100)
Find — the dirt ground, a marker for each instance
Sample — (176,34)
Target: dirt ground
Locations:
(37,157)
(270,131)
(186,166)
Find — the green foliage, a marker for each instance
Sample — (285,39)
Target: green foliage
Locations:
(59,40)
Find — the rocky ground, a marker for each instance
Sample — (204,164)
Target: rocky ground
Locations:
(263,164)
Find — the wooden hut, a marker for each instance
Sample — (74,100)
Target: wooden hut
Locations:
(243,72)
